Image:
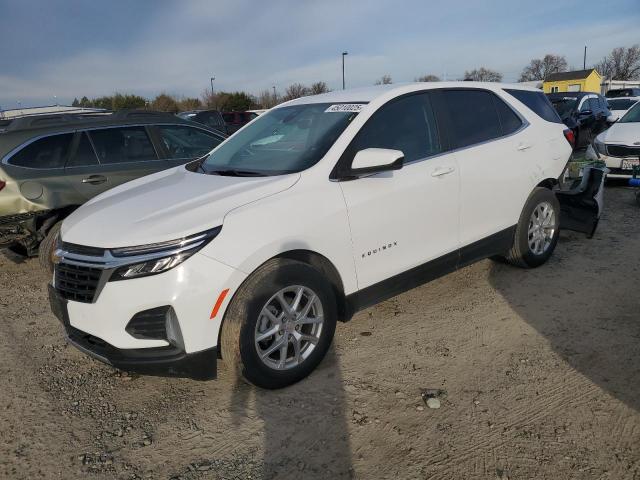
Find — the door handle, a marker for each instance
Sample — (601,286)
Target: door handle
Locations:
(440,171)
(523,146)
(95,179)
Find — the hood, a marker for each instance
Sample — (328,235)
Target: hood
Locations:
(165,206)
(622,133)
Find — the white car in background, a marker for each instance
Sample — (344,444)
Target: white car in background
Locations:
(619,146)
(620,106)
(321,207)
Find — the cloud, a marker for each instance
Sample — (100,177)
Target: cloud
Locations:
(177,47)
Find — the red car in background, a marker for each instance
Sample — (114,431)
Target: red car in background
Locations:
(237,120)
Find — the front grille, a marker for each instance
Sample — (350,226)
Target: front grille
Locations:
(82,249)
(623,151)
(77,283)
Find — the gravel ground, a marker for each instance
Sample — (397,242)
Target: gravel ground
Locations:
(536,375)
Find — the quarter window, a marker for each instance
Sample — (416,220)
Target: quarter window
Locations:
(538,102)
(84,155)
(407,124)
(48,152)
(121,145)
(187,142)
(474,118)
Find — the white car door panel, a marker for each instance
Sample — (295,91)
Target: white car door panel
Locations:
(403,218)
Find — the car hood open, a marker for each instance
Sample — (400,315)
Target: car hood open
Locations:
(622,133)
(165,206)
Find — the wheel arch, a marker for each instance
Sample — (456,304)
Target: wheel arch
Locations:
(548,183)
(328,269)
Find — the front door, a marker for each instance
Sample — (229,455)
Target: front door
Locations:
(107,157)
(402,219)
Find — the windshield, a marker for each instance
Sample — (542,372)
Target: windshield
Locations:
(633,115)
(564,106)
(621,104)
(284,140)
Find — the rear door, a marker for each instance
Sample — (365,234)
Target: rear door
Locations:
(123,154)
(38,170)
(183,143)
(496,155)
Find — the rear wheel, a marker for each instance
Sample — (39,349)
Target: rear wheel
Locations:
(537,231)
(279,324)
(47,246)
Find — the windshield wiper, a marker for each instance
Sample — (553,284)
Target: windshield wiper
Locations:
(237,173)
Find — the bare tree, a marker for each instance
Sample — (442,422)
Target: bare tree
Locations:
(318,88)
(621,64)
(215,100)
(295,90)
(384,80)
(483,75)
(428,78)
(268,99)
(541,68)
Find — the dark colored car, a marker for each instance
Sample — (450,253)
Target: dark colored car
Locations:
(210,118)
(52,164)
(623,92)
(585,113)
(236,120)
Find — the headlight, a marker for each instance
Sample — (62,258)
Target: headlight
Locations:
(145,260)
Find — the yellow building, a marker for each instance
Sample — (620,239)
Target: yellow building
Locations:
(577,81)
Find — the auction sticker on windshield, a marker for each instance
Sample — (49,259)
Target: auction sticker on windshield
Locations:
(345,107)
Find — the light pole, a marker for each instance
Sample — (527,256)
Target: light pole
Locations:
(274,95)
(212,79)
(344,54)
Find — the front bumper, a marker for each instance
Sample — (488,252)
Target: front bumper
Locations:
(614,164)
(169,360)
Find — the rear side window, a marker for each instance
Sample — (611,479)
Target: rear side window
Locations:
(473,115)
(538,102)
(407,124)
(121,145)
(48,152)
(509,121)
(187,142)
(84,155)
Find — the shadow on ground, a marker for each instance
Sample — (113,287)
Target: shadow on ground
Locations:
(305,429)
(598,329)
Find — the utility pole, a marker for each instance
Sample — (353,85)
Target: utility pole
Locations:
(343,55)
(584,61)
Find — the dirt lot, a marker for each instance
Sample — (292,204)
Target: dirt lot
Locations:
(540,373)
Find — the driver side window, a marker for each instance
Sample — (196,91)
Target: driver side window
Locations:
(407,124)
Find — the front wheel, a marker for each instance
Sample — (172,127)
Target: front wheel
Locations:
(537,231)
(279,324)
(47,246)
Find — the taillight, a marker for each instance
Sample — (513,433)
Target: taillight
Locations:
(2,184)
(570,136)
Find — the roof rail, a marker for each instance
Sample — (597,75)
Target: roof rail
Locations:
(133,114)
(64,119)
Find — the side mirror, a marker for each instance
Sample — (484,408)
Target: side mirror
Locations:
(374,160)
(585,113)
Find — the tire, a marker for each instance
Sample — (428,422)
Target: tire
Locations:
(46,248)
(254,311)
(521,253)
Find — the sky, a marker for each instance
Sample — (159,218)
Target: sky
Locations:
(53,50)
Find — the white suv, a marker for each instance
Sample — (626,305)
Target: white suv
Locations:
(318,208)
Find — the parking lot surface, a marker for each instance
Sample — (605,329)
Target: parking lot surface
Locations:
(537,374)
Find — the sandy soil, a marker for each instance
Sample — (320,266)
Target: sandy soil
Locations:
(539,373)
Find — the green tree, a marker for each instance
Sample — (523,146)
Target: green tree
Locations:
(237,101)
(164,103)
(121,101)
(75,103)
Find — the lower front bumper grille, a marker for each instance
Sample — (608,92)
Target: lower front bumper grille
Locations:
(623,151)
